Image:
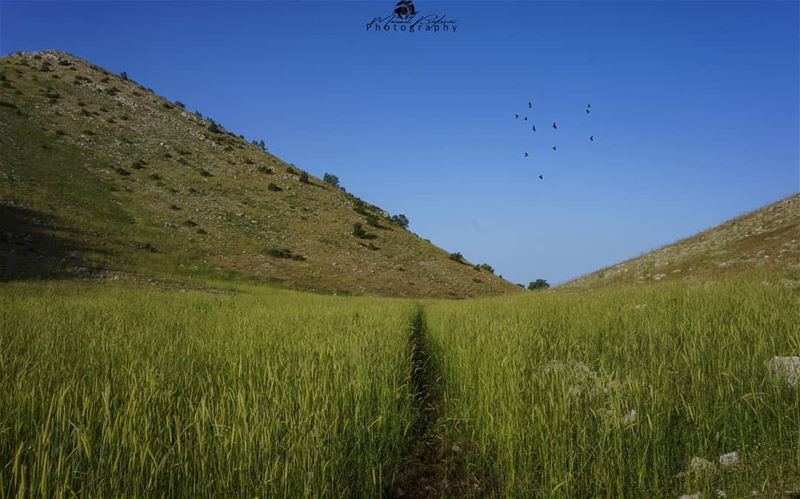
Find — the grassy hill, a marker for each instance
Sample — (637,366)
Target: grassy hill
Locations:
(102,177)
(766,239)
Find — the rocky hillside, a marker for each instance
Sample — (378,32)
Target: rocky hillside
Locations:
(100,176)
(767,239)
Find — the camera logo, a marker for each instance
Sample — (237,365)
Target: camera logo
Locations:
(405,9)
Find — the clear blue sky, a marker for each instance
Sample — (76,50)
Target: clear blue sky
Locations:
(694,109)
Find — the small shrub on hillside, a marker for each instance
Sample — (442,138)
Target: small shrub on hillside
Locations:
(166,105)
(484,266)
(373,247)
(400,220)
(213,128)
(123,75)
(291,170)
(373,221)
(155,176)
(304,178)
(190,223)
(331,179)
(285,253)
(359,232)
(180,104)
(139,164)
(274,187)
(266,170)
(360,207)
(148,247)
(457,257)
(123,171)
(206,173)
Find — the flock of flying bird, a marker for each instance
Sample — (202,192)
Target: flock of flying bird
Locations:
(554,126)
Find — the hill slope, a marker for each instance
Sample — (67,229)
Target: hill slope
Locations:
(766,239)
(100,174)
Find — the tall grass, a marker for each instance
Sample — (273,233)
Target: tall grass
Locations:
(111,392)
(120,391)
(543,385)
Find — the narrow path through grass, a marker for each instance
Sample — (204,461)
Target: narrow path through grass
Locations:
(435,465)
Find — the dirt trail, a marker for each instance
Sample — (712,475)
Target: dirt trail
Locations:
(436,466)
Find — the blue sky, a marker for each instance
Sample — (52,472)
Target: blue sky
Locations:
(694,109)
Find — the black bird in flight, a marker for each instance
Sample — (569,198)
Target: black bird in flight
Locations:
(530,104)
(554,148)
(534,128)
(591,139)
(555,127)
(587,111)
(541,177)
(526,155)
(516,116)
(526,118)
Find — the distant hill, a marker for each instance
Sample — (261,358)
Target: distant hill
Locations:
(767,239)
(100,176)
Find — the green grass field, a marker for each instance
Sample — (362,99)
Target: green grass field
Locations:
(244,391)
(544,386)
(112,392)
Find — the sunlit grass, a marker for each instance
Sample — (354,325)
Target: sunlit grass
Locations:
(112,391)
(544,385)
(244,391)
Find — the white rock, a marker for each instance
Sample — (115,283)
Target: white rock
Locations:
(630,418)
(700,466)
(696,495)
(786,368)
(721,493)
(730,459)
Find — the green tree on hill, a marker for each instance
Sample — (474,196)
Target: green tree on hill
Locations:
(538,284)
